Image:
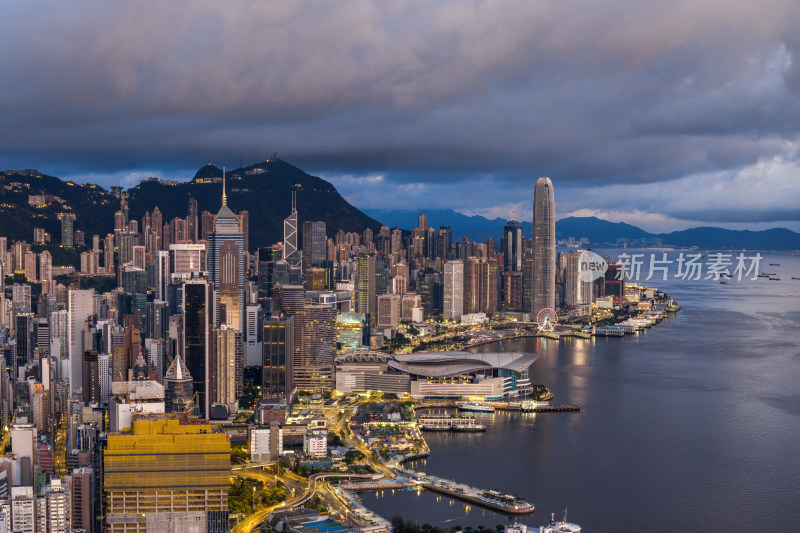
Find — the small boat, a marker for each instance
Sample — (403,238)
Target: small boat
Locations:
(793,277)
(561,526)
(724,282)
(774,264)
(774,278)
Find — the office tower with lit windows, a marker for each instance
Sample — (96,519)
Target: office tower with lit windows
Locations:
(544,247)
(315,242)
(226,266)
(453,290)
(313,367)
(192,220)
(366,295)
(226,353)
(277,344)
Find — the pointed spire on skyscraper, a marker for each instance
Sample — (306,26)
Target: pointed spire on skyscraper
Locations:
(294,200)
(224,196)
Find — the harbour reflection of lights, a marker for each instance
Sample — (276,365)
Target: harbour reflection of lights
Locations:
(580,353)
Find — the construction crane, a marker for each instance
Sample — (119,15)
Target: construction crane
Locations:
(190,405)
(127,384)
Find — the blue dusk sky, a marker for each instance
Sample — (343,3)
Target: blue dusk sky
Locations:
(666,115)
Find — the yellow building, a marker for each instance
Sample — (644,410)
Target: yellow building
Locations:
(167,476)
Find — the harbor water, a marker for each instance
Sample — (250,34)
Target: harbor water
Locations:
(691,425)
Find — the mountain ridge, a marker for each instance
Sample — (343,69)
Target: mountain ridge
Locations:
(599,231)
(263,189)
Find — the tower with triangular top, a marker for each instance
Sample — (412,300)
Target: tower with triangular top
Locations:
(178,388)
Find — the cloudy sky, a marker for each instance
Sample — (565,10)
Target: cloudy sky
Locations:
(662,114)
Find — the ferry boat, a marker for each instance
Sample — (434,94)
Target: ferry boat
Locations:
(449,423)
(470,427)
(561,526)
(476,407)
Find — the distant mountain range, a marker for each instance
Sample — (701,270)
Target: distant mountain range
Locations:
(598,231)
(29,199)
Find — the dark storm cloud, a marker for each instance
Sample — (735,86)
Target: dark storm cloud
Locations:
(590,93)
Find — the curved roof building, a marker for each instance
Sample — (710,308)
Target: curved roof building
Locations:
(452,364)
(492,376)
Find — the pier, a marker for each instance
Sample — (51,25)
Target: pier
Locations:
(608,332)
(550,408)
(491,499)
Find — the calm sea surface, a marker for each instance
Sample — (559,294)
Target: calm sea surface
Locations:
(693,425)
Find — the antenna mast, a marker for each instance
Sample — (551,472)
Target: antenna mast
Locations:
(224,196)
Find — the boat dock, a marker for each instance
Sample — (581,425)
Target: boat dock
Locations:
(485,498)
(540,408)
(392,484)
(608,331)
(491,499)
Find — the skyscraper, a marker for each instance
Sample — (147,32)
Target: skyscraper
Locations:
(277,357)
(453,290)
(315,243)
(313,369)
(67,233)
(198,301)
(226,266)
(512,246)
(366,294)
(544,247)
(80,307)
(290,252)
(226,350)
(191,219)
(177,386)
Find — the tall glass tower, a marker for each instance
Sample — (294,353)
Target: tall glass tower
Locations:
(226,265)
(544,247)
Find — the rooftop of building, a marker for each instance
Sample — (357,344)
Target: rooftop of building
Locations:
(444,364)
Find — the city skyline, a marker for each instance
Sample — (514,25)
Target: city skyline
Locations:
(295,266)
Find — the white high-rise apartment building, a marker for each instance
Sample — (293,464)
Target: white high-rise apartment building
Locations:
(80,307)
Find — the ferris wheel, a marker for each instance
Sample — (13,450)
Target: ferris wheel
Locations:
(547,319)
